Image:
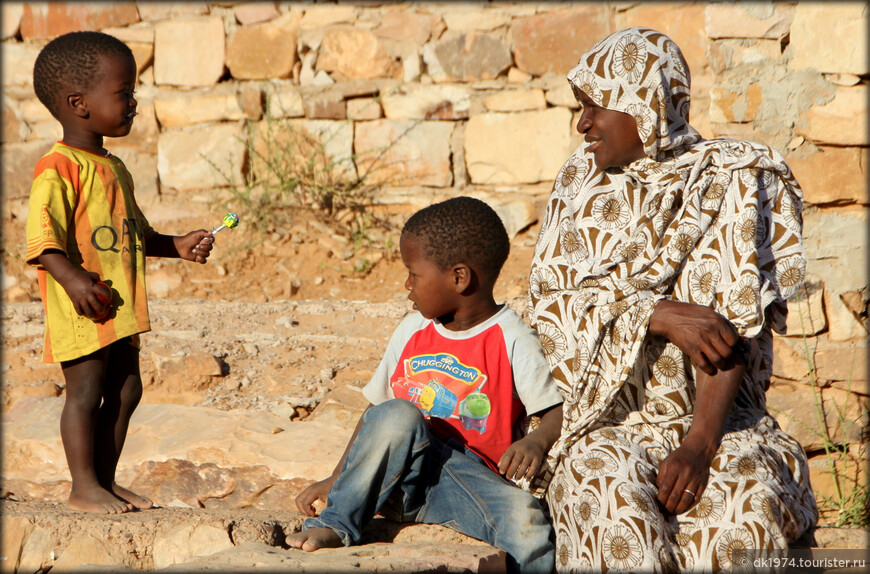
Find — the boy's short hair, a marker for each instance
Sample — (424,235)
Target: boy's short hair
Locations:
(72,60)
(462,230)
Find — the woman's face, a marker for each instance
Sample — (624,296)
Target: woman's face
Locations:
(611,135)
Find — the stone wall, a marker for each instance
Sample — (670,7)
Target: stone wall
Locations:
(438,99)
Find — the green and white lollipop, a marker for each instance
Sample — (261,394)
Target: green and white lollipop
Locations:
(230,220)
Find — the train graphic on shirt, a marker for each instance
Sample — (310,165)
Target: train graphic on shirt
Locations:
(443,387)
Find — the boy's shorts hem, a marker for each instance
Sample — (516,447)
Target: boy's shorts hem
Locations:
(132,340)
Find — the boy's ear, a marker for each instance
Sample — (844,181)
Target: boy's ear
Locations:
(461,277)
(75,102)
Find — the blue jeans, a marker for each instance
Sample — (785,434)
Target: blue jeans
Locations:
(396,467)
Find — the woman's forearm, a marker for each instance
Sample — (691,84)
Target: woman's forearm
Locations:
(714,396)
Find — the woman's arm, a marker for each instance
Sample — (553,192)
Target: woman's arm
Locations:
(700,332)
(708,339)
(684,473)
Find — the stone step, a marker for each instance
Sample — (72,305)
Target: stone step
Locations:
(39,536)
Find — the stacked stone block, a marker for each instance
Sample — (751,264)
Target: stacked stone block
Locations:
(472,98)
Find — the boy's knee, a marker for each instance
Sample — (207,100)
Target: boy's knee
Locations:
(83,397)
(397,415)
(132,393)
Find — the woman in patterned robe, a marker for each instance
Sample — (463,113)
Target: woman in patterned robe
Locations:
(662,266)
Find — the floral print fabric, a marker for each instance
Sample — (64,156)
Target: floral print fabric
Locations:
(710,222)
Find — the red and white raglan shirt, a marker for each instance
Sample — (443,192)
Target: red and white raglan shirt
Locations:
(473,386)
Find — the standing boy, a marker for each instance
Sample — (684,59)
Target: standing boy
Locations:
(88,240)
(438,445)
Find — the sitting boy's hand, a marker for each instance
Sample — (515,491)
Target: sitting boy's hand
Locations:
(318,491)
(523,458)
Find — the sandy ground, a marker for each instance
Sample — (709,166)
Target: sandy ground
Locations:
(299,272)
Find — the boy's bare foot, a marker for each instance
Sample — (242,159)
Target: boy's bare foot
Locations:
(314,538)
(137,500)
(98,501)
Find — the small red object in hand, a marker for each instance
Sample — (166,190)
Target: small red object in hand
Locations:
(105,301)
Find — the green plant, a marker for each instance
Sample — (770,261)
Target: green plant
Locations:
(363,266)
(389,248)
(851,500)
(290,171)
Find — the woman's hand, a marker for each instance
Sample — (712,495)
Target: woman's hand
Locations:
(683,475)
(701,333)
(318,491)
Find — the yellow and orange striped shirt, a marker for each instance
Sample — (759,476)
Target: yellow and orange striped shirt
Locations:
(82,204)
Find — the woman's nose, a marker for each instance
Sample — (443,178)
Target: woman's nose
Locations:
(583,124)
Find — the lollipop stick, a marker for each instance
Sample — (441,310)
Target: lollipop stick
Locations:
(230,220)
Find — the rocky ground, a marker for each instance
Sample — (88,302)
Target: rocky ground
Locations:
(252,374)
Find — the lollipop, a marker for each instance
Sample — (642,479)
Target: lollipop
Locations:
(230,220)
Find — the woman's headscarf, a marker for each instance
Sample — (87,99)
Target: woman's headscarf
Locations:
(713,222)
(642,73)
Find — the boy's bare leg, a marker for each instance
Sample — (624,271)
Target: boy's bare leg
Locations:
(121,396)
(314,539)
(84,392)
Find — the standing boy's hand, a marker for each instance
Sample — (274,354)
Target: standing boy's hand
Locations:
(88,294)
(195,246)
(81,286)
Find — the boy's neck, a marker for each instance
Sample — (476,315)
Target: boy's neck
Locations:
(470,314)
(88,142)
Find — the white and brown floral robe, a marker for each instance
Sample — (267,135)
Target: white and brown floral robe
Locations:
(711,222)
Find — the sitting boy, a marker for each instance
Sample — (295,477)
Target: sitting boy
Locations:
(436,444)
